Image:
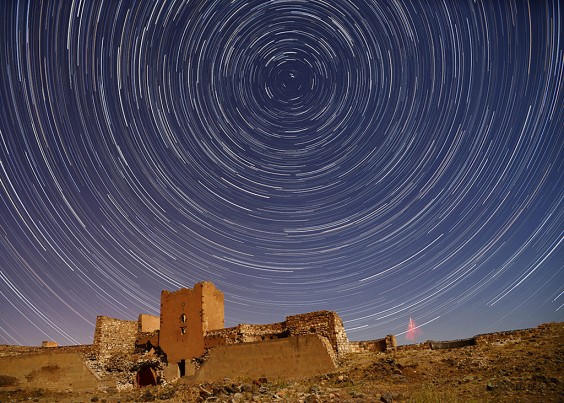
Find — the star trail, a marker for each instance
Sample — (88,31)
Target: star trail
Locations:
(387,160)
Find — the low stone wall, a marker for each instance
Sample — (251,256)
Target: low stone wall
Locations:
(386,344)
(114,335)
(486,338)
(323,323)
(287,358)
(441,345)
(419,346)
(508,335)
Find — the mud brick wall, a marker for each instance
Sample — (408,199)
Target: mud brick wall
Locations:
(323,323)
(186,316)
(52,369)
(114,335)
(148,323)
(285,358)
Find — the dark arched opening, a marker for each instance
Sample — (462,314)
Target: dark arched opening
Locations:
(146,377)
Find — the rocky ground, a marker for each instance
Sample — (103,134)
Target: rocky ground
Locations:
(529,369)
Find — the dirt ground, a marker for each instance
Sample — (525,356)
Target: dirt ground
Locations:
(529,369)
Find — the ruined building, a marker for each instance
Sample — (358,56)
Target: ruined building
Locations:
(189,341)
(190,332)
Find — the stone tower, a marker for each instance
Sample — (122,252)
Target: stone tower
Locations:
(186,316)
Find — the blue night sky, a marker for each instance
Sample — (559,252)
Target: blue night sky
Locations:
(386,160)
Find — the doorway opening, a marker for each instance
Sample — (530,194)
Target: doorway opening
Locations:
(182,368)
(146,377)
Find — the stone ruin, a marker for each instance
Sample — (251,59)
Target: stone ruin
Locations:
(189,340)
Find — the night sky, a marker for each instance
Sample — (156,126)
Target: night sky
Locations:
(384,159)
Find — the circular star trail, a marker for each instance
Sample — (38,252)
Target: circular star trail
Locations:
(385,160)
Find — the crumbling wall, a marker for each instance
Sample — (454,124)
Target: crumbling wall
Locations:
(244,334)
(419,346)
(222,337)
(113,336)
(383,345)
(251,333)
(323,323)
(148,331)
(441,345)
(145,339)
(367,346)
(509,335)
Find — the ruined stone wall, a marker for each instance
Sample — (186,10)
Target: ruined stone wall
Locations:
(323,323)
(385,344)
(495,337)
(244,334)
(508,335)
(251,333)
(222,337)
(419,346)
(367,346)
(114,335)
(441,345)
(144,338)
